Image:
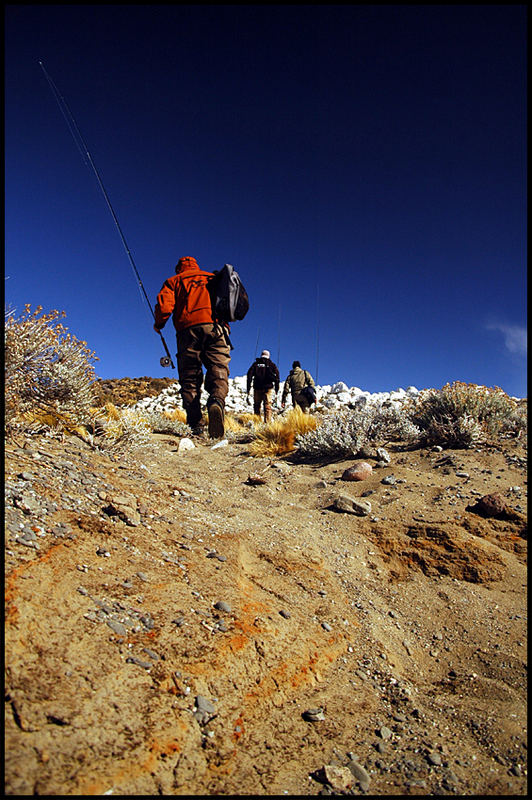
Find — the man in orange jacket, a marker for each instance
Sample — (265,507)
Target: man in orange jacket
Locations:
(201,340)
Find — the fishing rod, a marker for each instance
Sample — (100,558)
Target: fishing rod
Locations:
(165,361)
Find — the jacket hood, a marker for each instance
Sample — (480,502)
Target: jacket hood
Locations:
(186,264)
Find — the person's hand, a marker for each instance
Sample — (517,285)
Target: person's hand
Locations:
(156,329)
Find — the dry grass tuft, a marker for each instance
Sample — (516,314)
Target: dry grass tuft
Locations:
(241,424)
(278,437)
(177,415)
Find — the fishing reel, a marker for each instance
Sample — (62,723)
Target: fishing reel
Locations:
(165,361)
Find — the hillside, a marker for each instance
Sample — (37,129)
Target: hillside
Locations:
(200,622)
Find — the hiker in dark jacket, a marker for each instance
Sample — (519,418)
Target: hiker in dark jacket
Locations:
(264,375)
(295,382)
(200,341)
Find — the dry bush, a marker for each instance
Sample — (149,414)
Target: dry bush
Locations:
(278,437)
(47,369)
(464,414)
(116,430)
(52,422)
(159,422)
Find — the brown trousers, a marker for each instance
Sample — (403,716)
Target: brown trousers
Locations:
(205,345)
(301,401)
(261,396)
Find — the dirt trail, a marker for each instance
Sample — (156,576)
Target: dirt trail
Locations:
(168,624)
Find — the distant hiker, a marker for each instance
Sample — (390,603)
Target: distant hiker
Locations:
(200,341)
(264,375)
(301,384)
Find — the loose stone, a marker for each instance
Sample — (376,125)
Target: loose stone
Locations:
(383,455)
(117,627)
(358,771)
(351,505)
(26,476)
(339,778)
(313,715)
(358,472)
(151,653)
(138,661)
(222,606)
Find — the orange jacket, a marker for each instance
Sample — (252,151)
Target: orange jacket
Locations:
(185,296)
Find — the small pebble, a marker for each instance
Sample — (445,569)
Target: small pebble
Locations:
(313,715)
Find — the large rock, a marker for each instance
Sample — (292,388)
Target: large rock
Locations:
(491,505)
(359,471)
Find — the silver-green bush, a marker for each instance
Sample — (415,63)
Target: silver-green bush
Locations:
(116,431)
(464,414)
(46,368)
(160,423)
(345,432)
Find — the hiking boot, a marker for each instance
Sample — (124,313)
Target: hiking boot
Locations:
(198,430)
(216,421)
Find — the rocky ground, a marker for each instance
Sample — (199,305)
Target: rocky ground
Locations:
(203,622)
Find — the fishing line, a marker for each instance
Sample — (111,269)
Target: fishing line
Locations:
(279,335)
(84,150)
(317,329)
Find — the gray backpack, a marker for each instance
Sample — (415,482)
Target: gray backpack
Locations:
(229,298)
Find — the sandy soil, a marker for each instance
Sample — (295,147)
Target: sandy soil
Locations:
(403,632)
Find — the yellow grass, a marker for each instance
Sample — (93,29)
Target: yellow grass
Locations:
(178,414)
(56,420)
(278,437)
(241,423)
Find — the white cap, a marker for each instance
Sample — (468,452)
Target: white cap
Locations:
(265,354)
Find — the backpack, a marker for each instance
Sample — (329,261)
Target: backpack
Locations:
(229,298)
(309,391)
(265,373)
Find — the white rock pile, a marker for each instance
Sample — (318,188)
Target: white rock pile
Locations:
(334,397)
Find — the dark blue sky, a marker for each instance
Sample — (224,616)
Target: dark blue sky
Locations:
(363,167)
